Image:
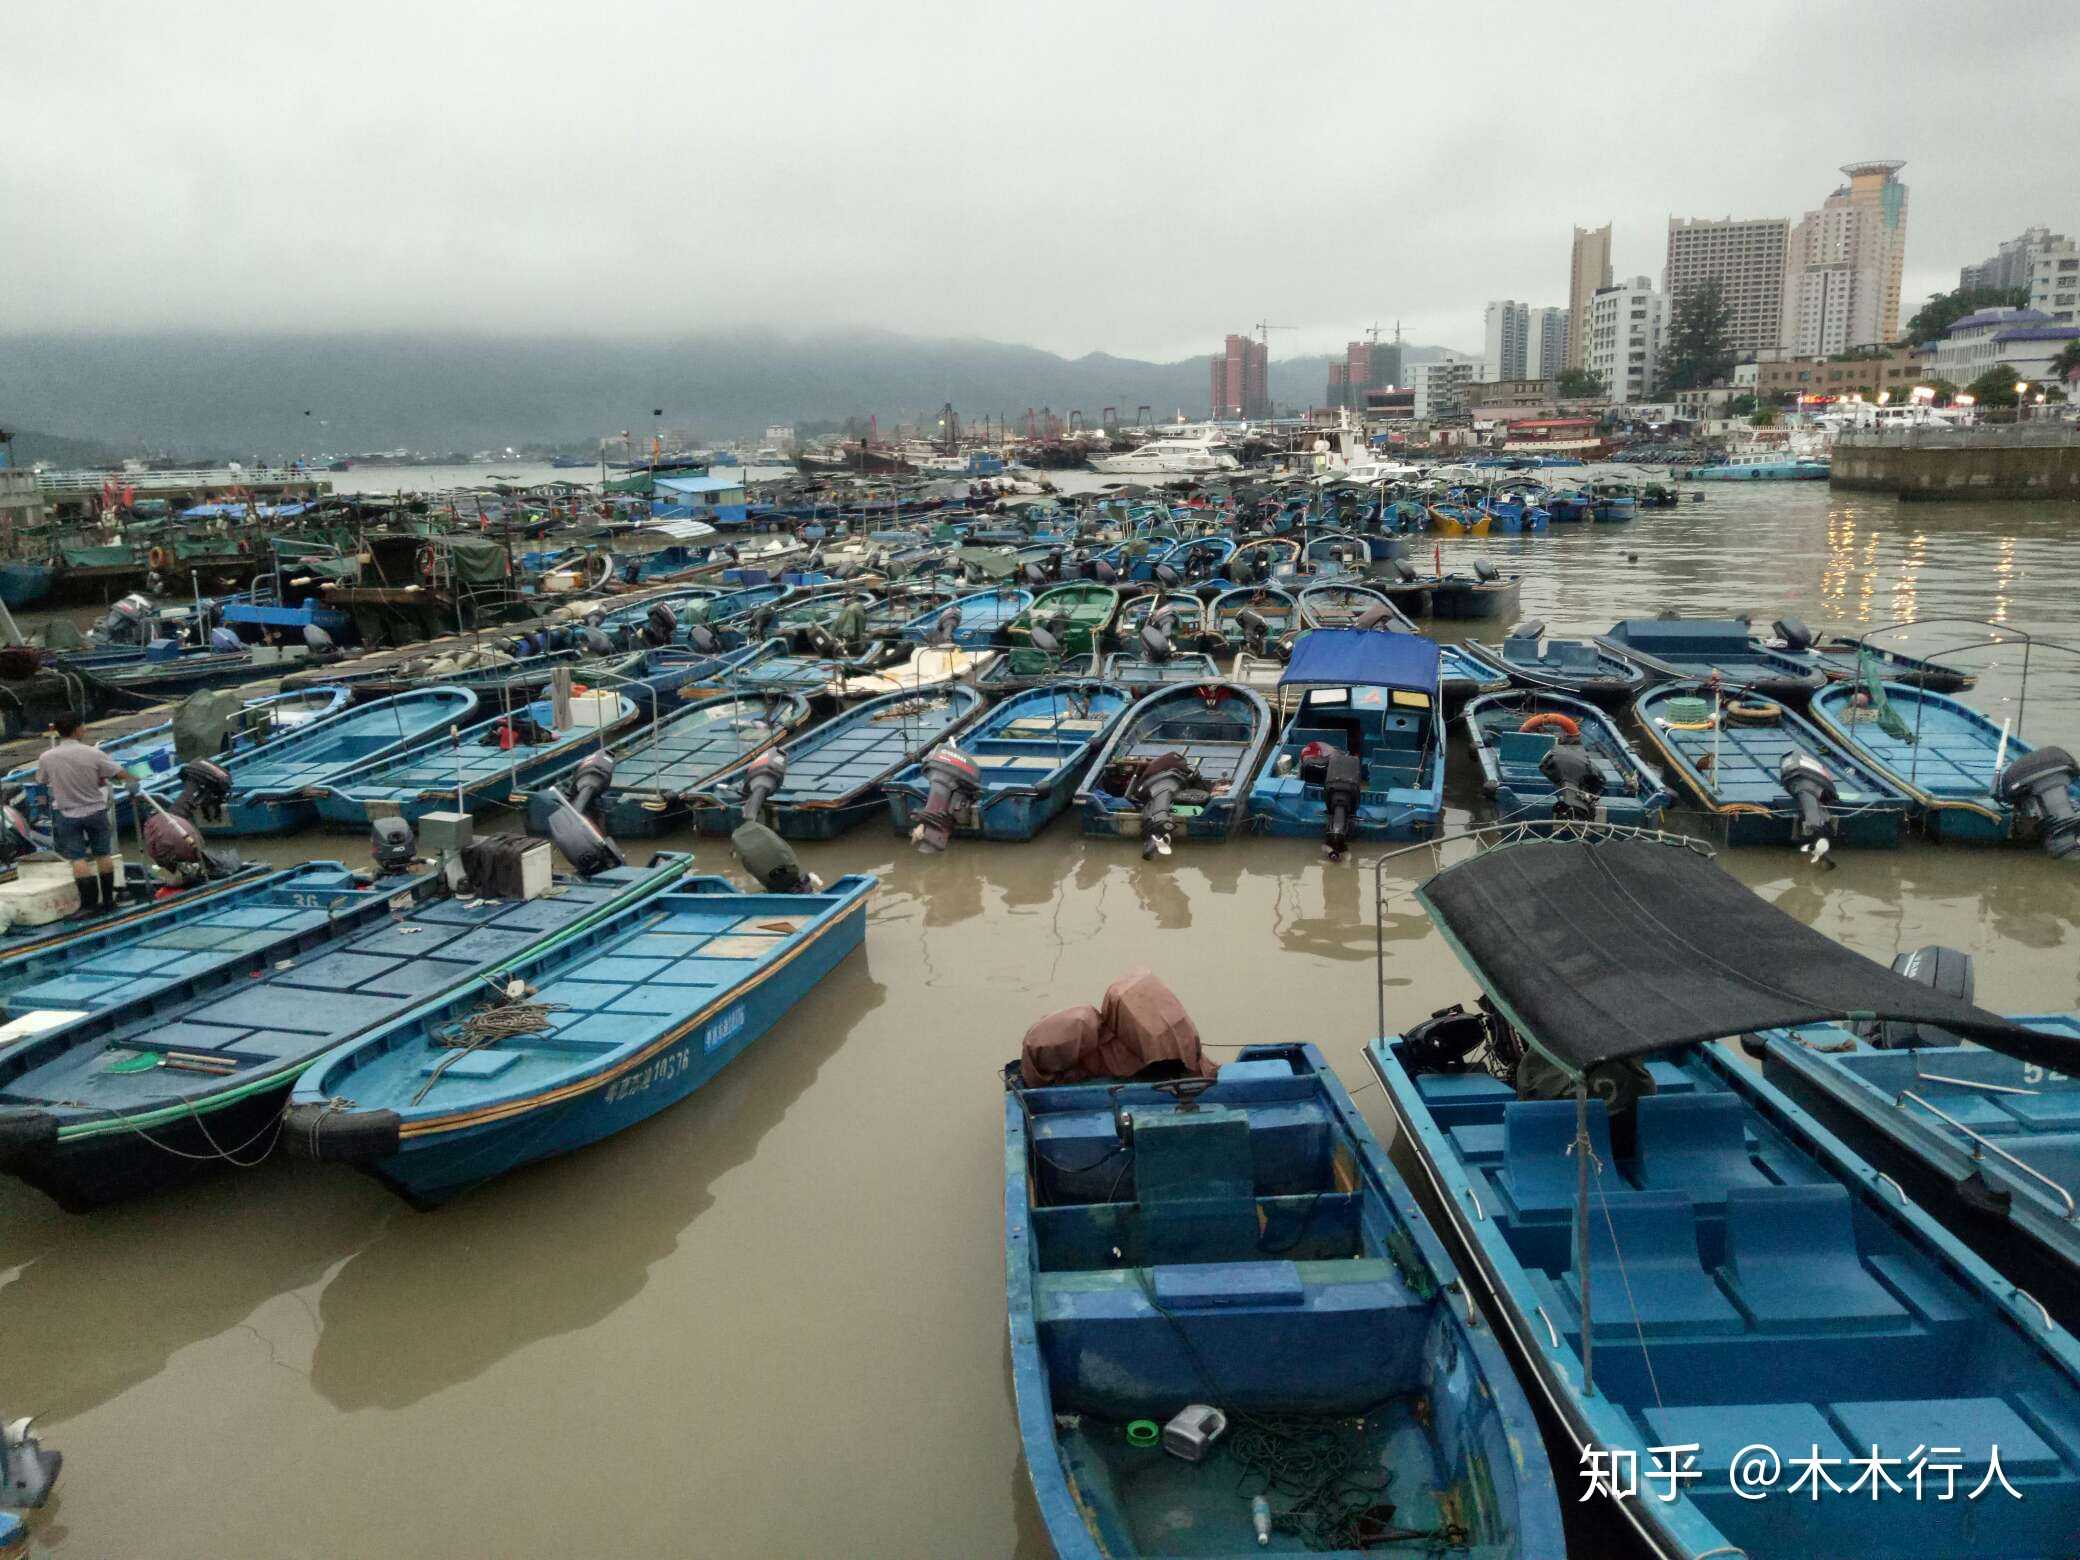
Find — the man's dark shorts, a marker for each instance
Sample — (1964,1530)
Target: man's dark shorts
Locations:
(81,839)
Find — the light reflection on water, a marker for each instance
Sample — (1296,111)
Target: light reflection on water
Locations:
(771,1320)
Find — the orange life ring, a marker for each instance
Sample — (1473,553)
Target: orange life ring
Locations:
(157,558)
(1553,720)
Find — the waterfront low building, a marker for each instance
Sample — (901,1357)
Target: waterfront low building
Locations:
(713,499)
(1893,372)
(2021,341)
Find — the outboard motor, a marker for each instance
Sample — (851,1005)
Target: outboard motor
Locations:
(1577,782)
(128,621)
(700,637)
(943,628)
(224,640)
(589,784)
(1167,576)
(27,1470)
(1034,573)
(2040,783)
(1101,571)
(955,785)
(1942,969)
(393,845)
(1156,630)
(584,844)
(1794,634)
(1048,636)
(1256,633)
(661,624)
(173,841)
(317,641)
(1812,790)
(1343,783)
(1485,572)
(1404,571)
(596,643)
(1379,616)
(766,774)
(1533,629)
(205,787)
(1154,791)
(17,837)
(771,861)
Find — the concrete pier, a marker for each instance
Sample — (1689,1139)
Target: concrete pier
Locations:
(1975,463)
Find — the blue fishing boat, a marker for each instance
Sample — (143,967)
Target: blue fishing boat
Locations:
(1180,761)
(1713,1297)
(1343,605)
(1611,501)
(1485,592)
(127,1099)
(830,777)
(1185,614)
(984,616)
(649,1004)
(1762,468)
(1546,756)
(1019,668)
(66,970)
(1516,514)
(1194,558)
(244,724)
(1025,755)
(1140,672)
(1983,1140)
(494,763)
(658,766)
(24,583)
(1849,656)
(274,787)
(1715,647)
(1461,675)
(1587,669)
(1246,1249)
(1765,775)
(1252,617)
(1970,778)
(1362,756)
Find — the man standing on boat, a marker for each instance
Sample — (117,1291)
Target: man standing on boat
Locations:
(76,774)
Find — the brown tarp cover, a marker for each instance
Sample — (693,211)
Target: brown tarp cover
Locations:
(1141,1023)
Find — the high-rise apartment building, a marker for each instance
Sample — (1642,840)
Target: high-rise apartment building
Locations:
(1622,340)
(1545,343)
(1242,379)
(1366,365)
(1745,258)
(1441,386)
(2054,283)
(1507,321)
(1588,268)
(1842,265)
(2013,264)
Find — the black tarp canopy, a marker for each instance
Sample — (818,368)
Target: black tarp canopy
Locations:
(1598,949)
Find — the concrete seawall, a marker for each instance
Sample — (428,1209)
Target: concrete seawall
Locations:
(1969,463)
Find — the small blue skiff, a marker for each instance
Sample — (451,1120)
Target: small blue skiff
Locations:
(1180,761)
(1587,669)
(644,1006)
(1028,753)
(1524,738)
(1721,647)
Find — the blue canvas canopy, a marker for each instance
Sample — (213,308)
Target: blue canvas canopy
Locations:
(1364,656)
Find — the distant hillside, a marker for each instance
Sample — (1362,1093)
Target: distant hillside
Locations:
(237,395)
(30,447)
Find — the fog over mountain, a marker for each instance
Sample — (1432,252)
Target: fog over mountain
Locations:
(307,394)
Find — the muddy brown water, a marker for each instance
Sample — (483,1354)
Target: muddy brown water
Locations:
(770,1321)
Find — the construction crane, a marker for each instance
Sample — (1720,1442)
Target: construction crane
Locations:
(1108,418)
(1264,334)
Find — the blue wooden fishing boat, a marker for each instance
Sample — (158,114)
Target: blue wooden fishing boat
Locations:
(658,766)
(1362,756)
(1762,468)
(24,583)
(1461,675)
(834,773)
(1185,611)
(1180,761)
(649,1004)
(984,616)
(150,751)
(1611,501)
(66,970)
(1765,775)
(127,1099)
(1140,673)
(1246,1247)
(1853,656)
(494,763)
(1721,647)
(1988,1143)
(1952,762)
(1545,756)
(1685,1268)
(1485,592)
(1272,613)
(1193,558)
(1019,668)
(1588,669)
(1516,514)
(1343,605)
(1027,754)
(275,786)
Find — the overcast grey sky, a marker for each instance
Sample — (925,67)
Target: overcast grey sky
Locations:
(1129,178)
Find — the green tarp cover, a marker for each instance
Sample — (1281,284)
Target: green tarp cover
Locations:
(202,722)
(97,557)
(477,562)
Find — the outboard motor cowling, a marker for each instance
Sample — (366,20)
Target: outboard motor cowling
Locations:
(1154,791)
(1378,616)
(1256,633)
(1577,782)
(205,787)
(1485,572)
(955,783)
(767,773)
(1156,630)
(224,640)
(2041,783)
(583,843)
(659,626)
(1812,791)
(1794,634)
(1343,784)
(393,845)
(771,861)
(596,642)
(589,785)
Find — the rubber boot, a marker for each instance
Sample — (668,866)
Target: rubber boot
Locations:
(89,897)
(108,888)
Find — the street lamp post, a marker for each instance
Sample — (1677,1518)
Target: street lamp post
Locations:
(2021,390)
